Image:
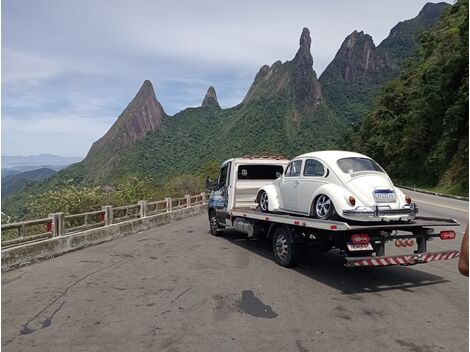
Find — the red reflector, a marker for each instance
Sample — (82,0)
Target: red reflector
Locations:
(296,222)
(267,218)
(333,227)
(360,238)
(352,200)
(447,235)
(49,227)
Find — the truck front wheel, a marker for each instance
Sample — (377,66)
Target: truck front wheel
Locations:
(215,228)
(286,252)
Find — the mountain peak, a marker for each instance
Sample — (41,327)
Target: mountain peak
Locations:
(143,115)
(433,10)
(303,54)
(210,98)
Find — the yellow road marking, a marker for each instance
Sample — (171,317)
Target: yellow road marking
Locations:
(442,206)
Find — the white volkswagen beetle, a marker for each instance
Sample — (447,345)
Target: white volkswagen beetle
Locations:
(331,184)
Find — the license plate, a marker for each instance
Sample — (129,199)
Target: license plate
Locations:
(384,196)
(360,247)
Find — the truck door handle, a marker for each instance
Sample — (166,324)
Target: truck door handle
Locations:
(296,183)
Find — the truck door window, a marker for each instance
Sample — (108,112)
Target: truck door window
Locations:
(222,177)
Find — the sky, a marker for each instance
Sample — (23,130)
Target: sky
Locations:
(69,68)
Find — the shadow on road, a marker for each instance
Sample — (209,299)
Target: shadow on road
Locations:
(329,269)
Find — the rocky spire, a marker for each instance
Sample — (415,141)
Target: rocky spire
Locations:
(303,55)
(143,115)
(211,98)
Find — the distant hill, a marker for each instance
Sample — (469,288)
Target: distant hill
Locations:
(14,183)
(19,161)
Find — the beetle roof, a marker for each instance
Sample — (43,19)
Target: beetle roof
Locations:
(332,155)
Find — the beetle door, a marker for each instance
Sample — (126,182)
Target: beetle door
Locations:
(313,178)
(289,187)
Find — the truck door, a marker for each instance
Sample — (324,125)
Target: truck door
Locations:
(221,193)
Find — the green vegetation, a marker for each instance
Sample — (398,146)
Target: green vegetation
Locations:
(418,128)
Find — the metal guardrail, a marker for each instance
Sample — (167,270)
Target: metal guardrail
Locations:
(59,224)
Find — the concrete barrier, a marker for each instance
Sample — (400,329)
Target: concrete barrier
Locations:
(33,252)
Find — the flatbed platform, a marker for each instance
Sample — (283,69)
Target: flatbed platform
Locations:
(339,226)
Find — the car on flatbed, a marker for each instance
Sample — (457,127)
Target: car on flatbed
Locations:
(330,185)
(233,204)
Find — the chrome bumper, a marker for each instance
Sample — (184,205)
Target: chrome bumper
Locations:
(377,211)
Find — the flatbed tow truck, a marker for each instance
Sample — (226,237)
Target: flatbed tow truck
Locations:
(232,204)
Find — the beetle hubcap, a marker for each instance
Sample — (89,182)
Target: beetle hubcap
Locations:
(263,201)
(323,206)
(281,246)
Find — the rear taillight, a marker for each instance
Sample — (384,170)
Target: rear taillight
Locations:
(408,199)
(404,242)
(360,238)
(447,235)
(352,200)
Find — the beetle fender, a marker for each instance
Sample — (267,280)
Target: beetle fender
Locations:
(273,200)
(336,193)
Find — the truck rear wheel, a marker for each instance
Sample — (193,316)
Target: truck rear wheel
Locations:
(215,228)
(286,252)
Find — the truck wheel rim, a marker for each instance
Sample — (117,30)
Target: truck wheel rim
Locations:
(323,206)
(263,202)
(281,246)
(213,223)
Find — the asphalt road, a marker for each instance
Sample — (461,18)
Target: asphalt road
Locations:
(177,288)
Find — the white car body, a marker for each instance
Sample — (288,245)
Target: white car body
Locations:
(339,175)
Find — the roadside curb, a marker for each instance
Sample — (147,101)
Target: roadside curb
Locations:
(435,193)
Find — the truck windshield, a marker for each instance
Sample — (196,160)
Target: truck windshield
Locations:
(258,172)
(351,165)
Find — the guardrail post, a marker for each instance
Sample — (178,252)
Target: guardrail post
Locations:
(203,198)
(58,224)
(168,204)
(108,214)
(188,200)
(143,208)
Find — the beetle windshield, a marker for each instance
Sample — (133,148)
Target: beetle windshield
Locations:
(351,165)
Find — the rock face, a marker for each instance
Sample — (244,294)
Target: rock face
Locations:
(296,76)
(210,99)
(358,60)
(143,115)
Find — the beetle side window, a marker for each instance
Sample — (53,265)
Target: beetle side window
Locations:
(313,168)
(294,168)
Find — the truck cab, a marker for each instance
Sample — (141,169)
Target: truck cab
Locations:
(237,186)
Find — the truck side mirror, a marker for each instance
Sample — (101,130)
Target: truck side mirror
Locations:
(209,185)
(278,174)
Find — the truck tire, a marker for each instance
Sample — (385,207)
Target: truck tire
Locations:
(286,252)
(214,227)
